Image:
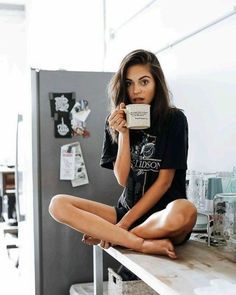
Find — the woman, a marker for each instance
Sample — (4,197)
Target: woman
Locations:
(152,214)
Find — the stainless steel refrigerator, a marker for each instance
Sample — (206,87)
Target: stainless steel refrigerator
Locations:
(61,259)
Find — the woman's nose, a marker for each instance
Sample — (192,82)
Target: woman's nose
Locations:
(136,88)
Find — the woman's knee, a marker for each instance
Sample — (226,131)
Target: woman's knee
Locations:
(58,206)
(190,213)
(184,207)
(182,213)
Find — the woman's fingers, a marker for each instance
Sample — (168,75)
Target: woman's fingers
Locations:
(105,245)
(117,119)
(117,122)
(119,125)
(123,225)
(122,106)
(88,240)
(116,115)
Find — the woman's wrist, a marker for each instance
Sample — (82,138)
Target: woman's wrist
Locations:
(124,131)
(124,139)
(127,221)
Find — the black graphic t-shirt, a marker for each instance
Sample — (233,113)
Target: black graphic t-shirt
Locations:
(150,152)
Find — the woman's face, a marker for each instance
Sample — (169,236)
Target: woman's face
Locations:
(140,84)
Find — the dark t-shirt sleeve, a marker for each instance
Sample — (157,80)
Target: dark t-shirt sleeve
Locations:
(109,149)
(176,149)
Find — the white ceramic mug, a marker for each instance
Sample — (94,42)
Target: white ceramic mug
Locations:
(137,116)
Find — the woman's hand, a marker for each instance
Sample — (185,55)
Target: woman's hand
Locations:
(117,119)
(88,240)
(105,245)
(124,222)
(123,225)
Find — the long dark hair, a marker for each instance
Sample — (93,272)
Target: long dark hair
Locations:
(117,91)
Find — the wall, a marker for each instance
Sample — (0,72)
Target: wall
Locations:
(203,84)
(200,70)
(12,72)
(66,34)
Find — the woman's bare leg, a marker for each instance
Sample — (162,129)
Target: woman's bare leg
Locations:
(174,222)
(92,218)
(98,220)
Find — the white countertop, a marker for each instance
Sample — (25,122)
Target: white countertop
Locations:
(196,266)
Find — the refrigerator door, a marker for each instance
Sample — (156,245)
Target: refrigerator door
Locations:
(61,258)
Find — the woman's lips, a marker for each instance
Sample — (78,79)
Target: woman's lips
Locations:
(138,99)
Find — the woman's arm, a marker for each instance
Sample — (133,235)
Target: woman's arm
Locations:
(150,198)
(122,164)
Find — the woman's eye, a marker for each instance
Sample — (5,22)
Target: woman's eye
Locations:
(127,83)
(144,82)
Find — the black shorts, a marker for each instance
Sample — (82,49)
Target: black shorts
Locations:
(121,211)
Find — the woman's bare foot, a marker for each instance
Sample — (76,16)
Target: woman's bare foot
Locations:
(160,247)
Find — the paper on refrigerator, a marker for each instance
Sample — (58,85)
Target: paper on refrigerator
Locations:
(81,176)
(72,166)
(67,163)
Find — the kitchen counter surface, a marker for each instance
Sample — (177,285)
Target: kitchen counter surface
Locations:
(196,266)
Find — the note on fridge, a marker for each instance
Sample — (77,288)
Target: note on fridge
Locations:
(67,163)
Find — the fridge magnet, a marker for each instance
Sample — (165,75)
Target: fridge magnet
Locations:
(62,126)
(72,166)
(79,115)
(61,102)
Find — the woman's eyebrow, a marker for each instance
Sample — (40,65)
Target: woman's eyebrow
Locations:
(145,76)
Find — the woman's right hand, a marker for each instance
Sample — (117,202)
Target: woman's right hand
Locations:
(123,224)
(117,119)
(88,240)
